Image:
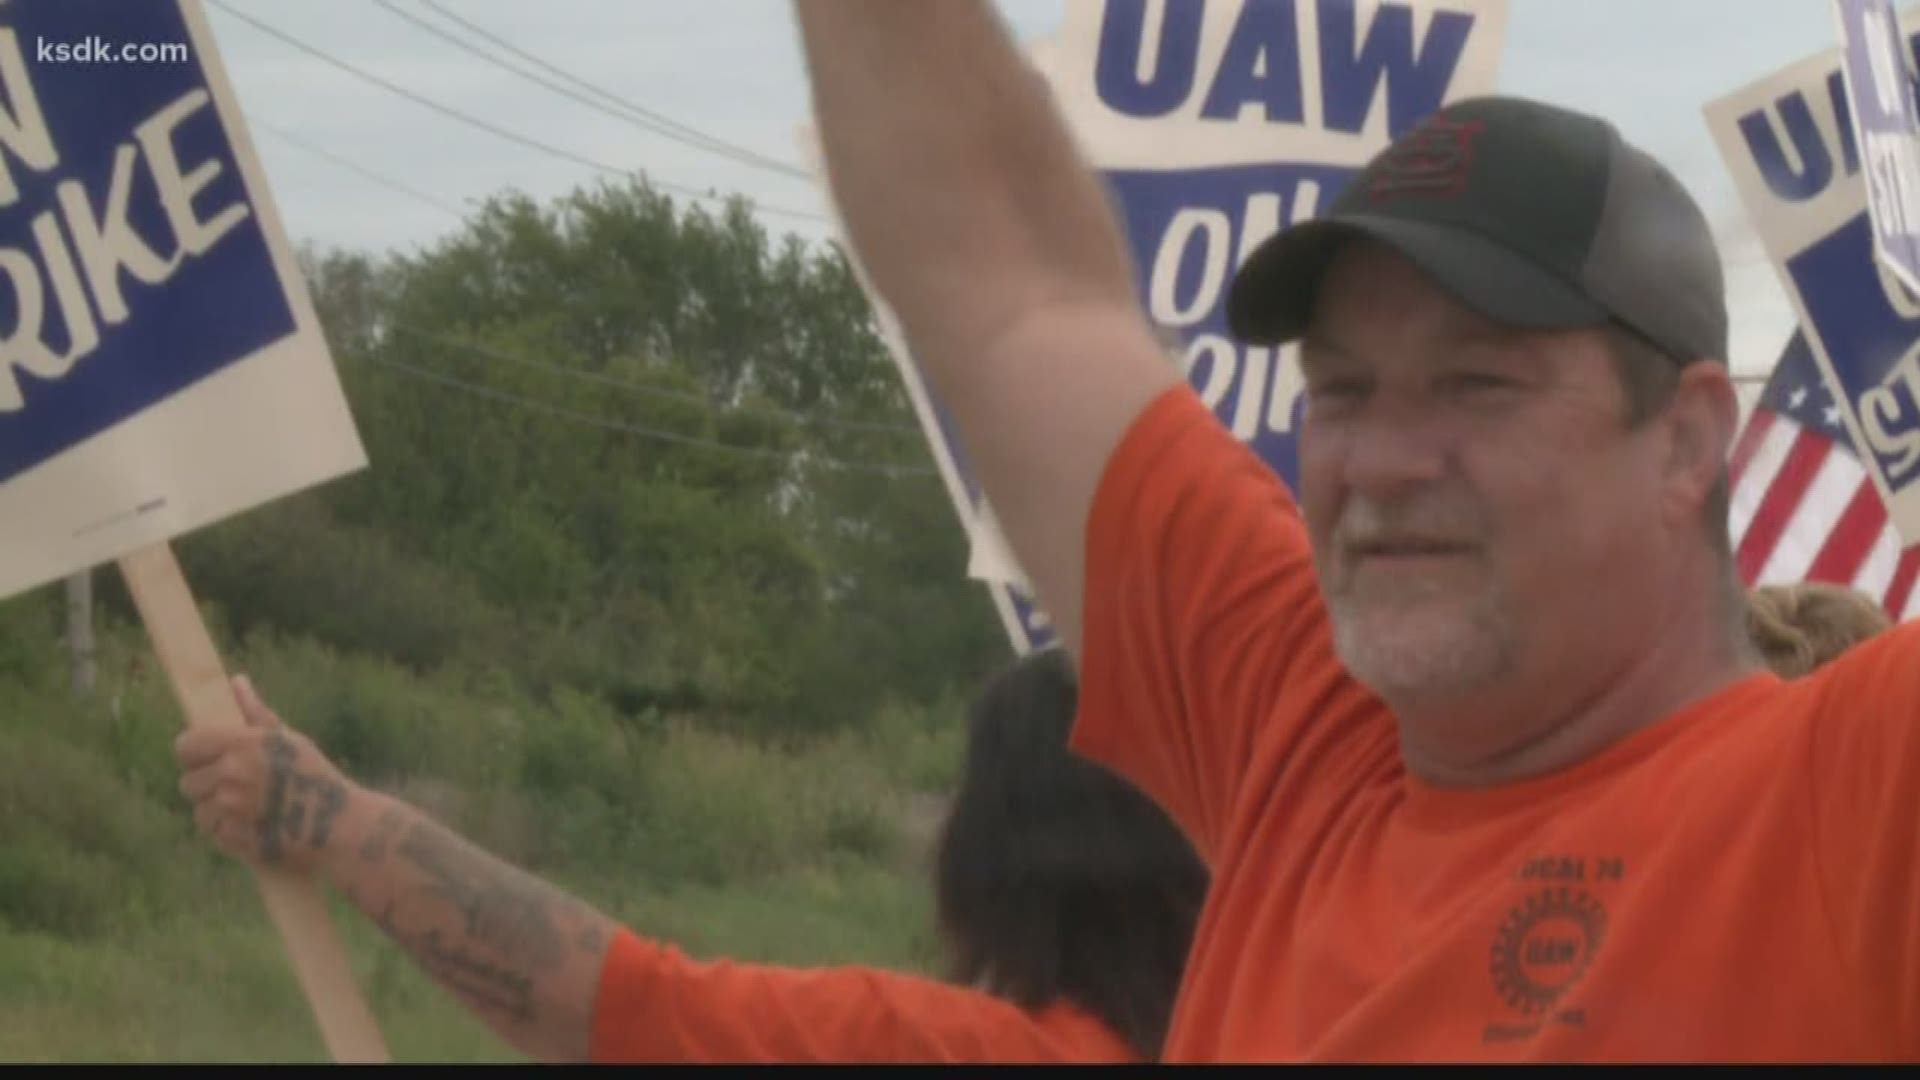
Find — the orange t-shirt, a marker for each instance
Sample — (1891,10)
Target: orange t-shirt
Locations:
(1740,880)
(657,1005)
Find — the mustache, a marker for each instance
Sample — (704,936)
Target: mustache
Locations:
(1366,523)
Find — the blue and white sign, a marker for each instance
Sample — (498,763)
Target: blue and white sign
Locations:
(1216,123)
(1796,159)
(1878,71)
(160,363)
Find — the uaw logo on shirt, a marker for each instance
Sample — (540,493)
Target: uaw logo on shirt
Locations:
(1546,943)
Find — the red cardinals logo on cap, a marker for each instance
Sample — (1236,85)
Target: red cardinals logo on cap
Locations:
(1433,159)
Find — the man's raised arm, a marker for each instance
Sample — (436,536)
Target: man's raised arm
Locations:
(995,245)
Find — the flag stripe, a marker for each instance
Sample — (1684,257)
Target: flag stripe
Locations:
(1898,593)
(1811,525)
(1759,422)
(1804,506)
(1877,572)
(1781,503)
(1761,468)
(1859,525)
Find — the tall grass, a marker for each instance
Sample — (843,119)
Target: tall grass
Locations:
(125,938)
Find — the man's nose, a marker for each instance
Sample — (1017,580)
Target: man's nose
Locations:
(1395,446)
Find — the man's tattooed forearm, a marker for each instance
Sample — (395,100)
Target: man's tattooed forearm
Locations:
(503,909)
(504,942)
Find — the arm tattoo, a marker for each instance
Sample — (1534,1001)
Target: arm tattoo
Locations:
(505,910)
(290,795)
(375,847)
(506,943)
(484,985)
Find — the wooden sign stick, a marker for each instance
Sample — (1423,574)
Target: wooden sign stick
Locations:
(201,686)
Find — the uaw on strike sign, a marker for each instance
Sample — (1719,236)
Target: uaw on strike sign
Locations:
(160,364)
(161,367)
(1215,123)
(1793,149)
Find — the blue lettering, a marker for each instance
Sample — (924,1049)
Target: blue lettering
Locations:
(1262,64)
(1416,82)
(1816,159)
(1849,150)
(1123,38)
(1816,164)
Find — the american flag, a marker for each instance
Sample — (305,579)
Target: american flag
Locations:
(1804,508)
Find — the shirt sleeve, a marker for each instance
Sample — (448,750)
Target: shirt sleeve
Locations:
(1204,629)
(655,1004)
(1865,775)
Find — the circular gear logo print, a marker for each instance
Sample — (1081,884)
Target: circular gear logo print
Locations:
(1545,945)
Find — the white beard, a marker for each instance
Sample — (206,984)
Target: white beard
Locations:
(1428,650)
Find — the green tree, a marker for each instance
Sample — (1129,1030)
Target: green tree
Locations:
(636,449)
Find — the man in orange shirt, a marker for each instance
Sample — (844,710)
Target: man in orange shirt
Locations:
(1065,898)
(1470,734)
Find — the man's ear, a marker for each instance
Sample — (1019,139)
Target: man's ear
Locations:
(1700,420)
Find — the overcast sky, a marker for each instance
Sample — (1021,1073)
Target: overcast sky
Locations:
(732,70)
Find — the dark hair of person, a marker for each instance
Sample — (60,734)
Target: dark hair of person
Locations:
(1054,878)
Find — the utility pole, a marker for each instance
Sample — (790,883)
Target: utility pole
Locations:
(80,632)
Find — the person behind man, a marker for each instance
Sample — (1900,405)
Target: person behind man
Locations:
(1470,733)
(1066,901)
(1801,626)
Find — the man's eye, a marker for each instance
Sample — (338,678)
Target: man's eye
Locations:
(1336,389)
(1475,381)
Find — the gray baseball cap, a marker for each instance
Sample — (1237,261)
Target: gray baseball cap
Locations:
(1534,215)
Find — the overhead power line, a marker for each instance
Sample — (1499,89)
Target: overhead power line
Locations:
(488,126)
(656,434)
(594,97)
(365,173)
(768,411)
